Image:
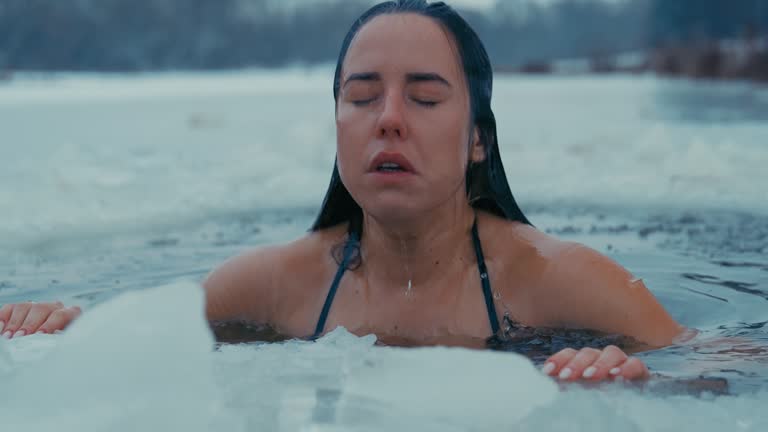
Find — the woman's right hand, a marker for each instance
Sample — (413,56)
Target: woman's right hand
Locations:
(23,319)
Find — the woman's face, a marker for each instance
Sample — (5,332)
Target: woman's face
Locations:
(403,121)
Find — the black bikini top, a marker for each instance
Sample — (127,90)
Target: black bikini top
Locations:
(353,243)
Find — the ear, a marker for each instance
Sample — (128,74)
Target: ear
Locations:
(477,148)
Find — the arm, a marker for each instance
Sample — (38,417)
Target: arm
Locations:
(585,289)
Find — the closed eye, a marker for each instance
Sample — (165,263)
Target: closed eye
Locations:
(425,103)
(363,102)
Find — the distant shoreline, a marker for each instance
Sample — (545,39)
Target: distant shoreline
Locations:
(727,60)
(741,60)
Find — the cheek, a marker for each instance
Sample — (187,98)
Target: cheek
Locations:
(450,150)
(351,130)
(349,148)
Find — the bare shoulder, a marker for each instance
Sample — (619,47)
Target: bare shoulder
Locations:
(252,285)
(511,241)
(572,285)
(514,241)
(590,290)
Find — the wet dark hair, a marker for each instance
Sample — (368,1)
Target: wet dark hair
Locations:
(486,182)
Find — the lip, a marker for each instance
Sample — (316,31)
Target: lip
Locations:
(391,157)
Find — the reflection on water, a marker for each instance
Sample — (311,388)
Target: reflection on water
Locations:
(744,287)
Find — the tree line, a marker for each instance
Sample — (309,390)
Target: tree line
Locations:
(135,35)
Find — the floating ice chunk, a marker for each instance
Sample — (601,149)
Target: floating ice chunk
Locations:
(5,357)
(340,337)
(452,386)
(30,348)
(343,382)
(615,409)
(139,362)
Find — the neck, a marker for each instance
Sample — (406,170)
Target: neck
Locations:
(402,256)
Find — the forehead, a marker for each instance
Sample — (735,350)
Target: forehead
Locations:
(403,42)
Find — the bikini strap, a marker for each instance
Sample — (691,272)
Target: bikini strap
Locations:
(349,248)
(352,244)
(484,280)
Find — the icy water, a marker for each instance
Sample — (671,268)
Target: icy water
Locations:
(125,184)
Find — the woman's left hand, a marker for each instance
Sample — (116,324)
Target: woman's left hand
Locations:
(591,364)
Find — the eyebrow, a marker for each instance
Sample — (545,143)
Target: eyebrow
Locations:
(410,78)
(426,77)
(365,76)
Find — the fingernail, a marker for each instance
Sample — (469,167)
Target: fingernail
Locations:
(20,333)
(565,373)
(615,371)
(56,331)
(548,368)
(40,332)
(7,334)
(590,372)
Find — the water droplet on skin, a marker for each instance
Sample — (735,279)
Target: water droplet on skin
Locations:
(407,268)
(507,321)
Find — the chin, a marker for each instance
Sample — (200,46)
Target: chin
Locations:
(391,211)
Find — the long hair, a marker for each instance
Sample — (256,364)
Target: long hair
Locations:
(486,183)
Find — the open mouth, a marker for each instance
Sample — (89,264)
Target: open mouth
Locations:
(390,163)
(389,167)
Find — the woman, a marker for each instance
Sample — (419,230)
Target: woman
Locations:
(419,239)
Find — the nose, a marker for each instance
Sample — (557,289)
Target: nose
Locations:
(392,119)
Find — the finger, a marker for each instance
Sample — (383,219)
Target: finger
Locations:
(578,364)
(35,318)
(632,369)
(17,318)
(610,358)
(554,364)
(59,319)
